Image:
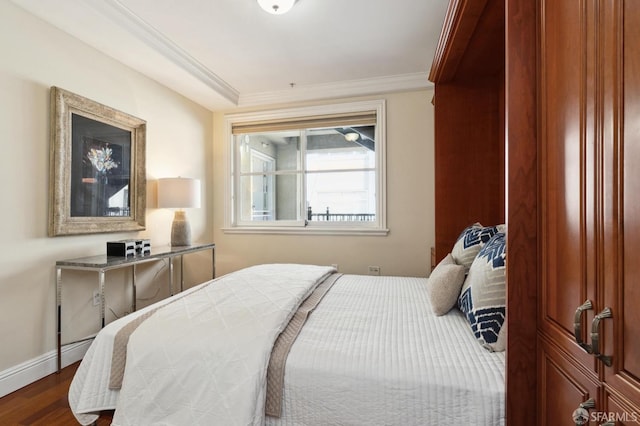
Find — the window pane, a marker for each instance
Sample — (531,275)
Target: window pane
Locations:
(282,147)
(348,196)
(269,197)
(287,197)
(296,167)
(344,148)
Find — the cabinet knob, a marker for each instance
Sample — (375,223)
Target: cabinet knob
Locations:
(577,325)
(588,404)
(595,336)
(581,414)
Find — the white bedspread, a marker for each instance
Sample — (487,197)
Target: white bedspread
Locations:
(210,366)
(373,353)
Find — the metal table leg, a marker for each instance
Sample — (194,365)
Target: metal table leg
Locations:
(171,276)
(213,263)
(59,312)
(134,290)
(181,273)
(102,301)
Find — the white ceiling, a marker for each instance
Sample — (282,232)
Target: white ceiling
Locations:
(226,53)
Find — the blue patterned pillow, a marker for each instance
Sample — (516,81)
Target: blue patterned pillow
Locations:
(483,295)
(470,242)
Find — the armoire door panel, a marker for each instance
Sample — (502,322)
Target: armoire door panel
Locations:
(630,284)
(622,285)
(567,342)
(590,195)
(617,409)
(562,387)
(568,152)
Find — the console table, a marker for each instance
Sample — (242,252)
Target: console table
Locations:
(103,263)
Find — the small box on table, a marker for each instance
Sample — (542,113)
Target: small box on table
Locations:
(123,248)
(143,247)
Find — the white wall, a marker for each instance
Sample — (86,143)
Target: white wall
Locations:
(33,57)
(410,204)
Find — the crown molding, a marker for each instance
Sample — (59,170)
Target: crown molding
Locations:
(342,89)
(214,92)
(122,15)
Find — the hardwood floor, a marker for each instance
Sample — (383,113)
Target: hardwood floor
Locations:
(43,403)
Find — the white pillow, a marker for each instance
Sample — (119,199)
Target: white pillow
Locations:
(444,284)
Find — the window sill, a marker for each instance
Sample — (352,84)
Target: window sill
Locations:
(307,231)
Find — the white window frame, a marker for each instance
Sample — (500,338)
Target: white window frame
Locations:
(379,227)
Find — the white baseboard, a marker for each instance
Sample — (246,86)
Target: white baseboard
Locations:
(30,371)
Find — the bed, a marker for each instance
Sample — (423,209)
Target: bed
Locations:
(369,351)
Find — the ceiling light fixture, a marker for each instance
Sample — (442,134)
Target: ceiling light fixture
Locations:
(351,136)
(276,7)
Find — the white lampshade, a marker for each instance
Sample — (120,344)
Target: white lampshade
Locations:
(276,7)
(178,193)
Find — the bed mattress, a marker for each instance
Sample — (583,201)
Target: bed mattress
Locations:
(373,352)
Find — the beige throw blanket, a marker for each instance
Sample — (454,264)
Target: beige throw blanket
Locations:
(275,371)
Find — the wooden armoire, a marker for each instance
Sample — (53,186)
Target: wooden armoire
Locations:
(551,89)
(588,317)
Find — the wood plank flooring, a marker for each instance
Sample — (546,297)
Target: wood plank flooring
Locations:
(44,403)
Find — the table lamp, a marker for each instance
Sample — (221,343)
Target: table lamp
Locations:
(179,193)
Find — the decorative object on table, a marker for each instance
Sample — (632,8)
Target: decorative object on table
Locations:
(123,248)
(143,247)
(126,248)
(180,193)
(97,171)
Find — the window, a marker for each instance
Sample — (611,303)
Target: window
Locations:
(308,170)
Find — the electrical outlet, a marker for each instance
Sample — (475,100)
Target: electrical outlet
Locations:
(374,270)
(335,265)
(96,298)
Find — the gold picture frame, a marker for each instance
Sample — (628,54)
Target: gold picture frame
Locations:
(97,169)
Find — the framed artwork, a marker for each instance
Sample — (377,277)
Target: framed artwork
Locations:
(98,172)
